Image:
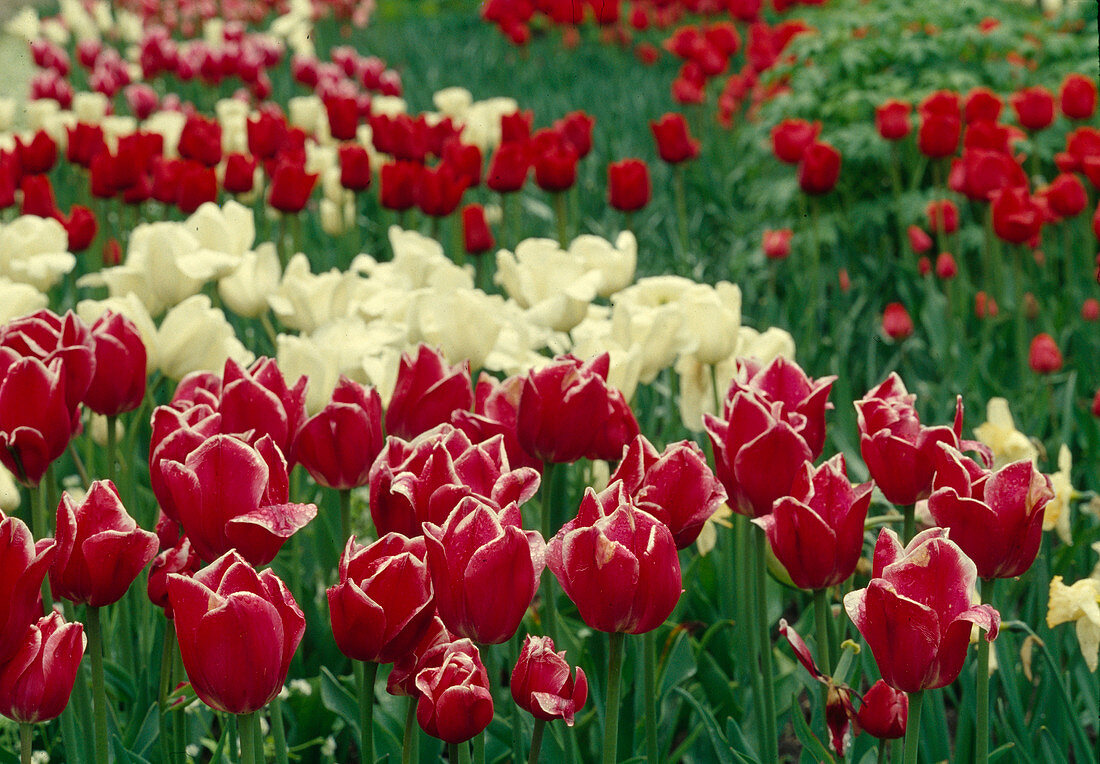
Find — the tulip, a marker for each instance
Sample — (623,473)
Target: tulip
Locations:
(290,188)
(1067,196)
(943,216)
(495,413)
(24,564)
(237,632)
(508,167)
(919,241)
(398,185)
(946,267)
(938,135)
(100,548)
(616,563)
(567,411)
(84,143)
(265,134)
(35,422)
(427,391)
(455,702)
(892,120)
(883,712)
(354,167)
(816,532)
(1034,107)
(628,185)
(258,399)
(179,558)
(240,173)
(175,434)
(338,445)
(195,186)
(676,486)
(541,683)
(896,323)
(464,160)
(343,117)
(230,495)
(39,155)
(1043,355)
(477,237)
(485,570)
(819,168)
(47,336)
(36,682)
(426,652)
(556,167)
(118,383)
(38,197)
(1078,96)
(777,244)
(201,140)
(81,228)
(516,127)
(792,137)
(674,142)
(1017,218)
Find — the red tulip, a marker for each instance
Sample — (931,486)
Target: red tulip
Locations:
(919,241)
(194,186)
(100,548)
(118,384)
(343,117)
(290,187)
(35,684)
(567,411)
(426,479)
(946,267)
(995,517)
(338,445)
(35,422)
(777,244)
(485,570)
(23,565)
(556,167)
(916,615)
(516,127)
(1090,309)
(628,185)
(175,434)
(943,216)
(477,237)
(1043,356)
(240,173)
(266,133)
(982,105)
(938,135)
(38,198)
(230,495)
(201,140)
(496,405)
(816,532)
(675,486)
(819,168)
(258,400)
(792,137)
(541,683)
(508,167)
(981,172)
(892,120)
(1034,107)
(617,564)
(884,712)
(47,336)
(455,703)
(39,155)
(179,558)
(575,129)
(426,652)
(1067,196)
(85,142)
(439,191)
(1078,96)
(354,167)
(383,604)
(427,391)
(81,227)
(674,142)
(237,632)
(1017,218)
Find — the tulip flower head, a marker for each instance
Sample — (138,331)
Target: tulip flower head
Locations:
(36,682)
(338,445)
(25,565)
(674,142)
(542,685)
(455,700)
(916,614)
(883,712)
(1043,356)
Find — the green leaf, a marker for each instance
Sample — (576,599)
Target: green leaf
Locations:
(811,742)
(339,699)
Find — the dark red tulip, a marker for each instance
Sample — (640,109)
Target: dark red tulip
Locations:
(575,129)
(24,564)
(938,135)
(542,684)
(1017,218)
(1043,356)
(792,137)
(84,143)
(1034,107)
(477,237)
(819,168)
(892,120)
(81,228)
(427,391)
(343,117)
(674,142)
(201,140)
(884,712)
(1078,96)
(508,167)
(354,167)
(338,445)
(556,167)
(982,105)
(290,188)
(628,185)
(496,405)
(47,336)
(1067,196)
(398,182)
(35,684)
(455,703)
(39,155)
(38,198)
(240,172)
(265,135)
(258,400)
(179,558)
(439,191)
(118,384)
(195,185)
(516,127)
(35,420)
(465,160)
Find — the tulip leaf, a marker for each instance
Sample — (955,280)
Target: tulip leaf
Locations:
(680,665)
(123,755)
(339,700)
(1000,752)
(718,741)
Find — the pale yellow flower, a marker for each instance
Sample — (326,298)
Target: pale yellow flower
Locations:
(708,537)
(9,492)
(1056,513)
(1080,603)
(1000,434)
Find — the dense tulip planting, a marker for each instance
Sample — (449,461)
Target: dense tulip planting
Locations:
(587,384)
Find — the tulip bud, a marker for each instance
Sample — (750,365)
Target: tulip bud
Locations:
(792,137)
(456,703)
(541,683)
(845,282)
(884,712)
(674,142)
(1043,356)
(508,167)
(354,167)
(118,384)
(892,120)
(35,684)
(1034,107)
(919,241)
(290,187)
(628,185)
(556,167)
(946,267)
(1090,310)
(777,244)
(1078,96)
(896,323)
(240,174)
(338,445)
(477,237)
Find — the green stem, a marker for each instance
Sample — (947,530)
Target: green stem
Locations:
(247,724)
(611,710)
(40,526)
(26,737)
(479,748)
(278,730)
(650,640)
(680,194)
(909,522)
(463,753)
(560,217)
(365,674)
(167,659)
(981,755)
(112,449)
(550,614)
(408,744)
(345,519)
(99,687)
(536,741)
(822,622)
(882,748)
(771,737)
(912,727)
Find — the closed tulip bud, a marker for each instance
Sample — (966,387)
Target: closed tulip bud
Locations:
(919,241)
(485,571)
(508,167)
(567,411)
(617,564)
(201,140)
(542,684)
(844,281)
(477,237)
(819,168)
(194,186)
(1090,310)
(100,548)
(676,486)
(924,265)
(237,633)
(556,167)
(427,391)
(1043,356)
(38,198)
(792,137)
(398,182)
(946,267)
(943,216)
(84,143)
(892,120)
(916,615)
(338,445)
(118,384)
(290,188)
(81,227)
(383,604)
(343,117)
(816,532)
(674,142)
(777,244)
(1066,195)
(1034,107)
(240,173)
(938,135)
(1078,96)
(439,191)
(35,684)
(354,167)
(456,703)
(628,185)
(258,399)
(1017,218)
(982,105)
(25,565)
(884,712)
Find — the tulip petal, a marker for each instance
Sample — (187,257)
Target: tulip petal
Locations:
(903,634)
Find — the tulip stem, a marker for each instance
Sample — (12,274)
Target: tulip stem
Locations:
(909,522)
(99,687)
(981,754)
(767,708)
(247,725)
(167,660)
(365,674)
(112,449)
(345,518)
(680,195)
(560,217)
(536,741)
(479,748)
(650,639)
(912,727)
(611,710)
(882,748)
(408,744)
(550,612)
(278,730)
(26,736)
